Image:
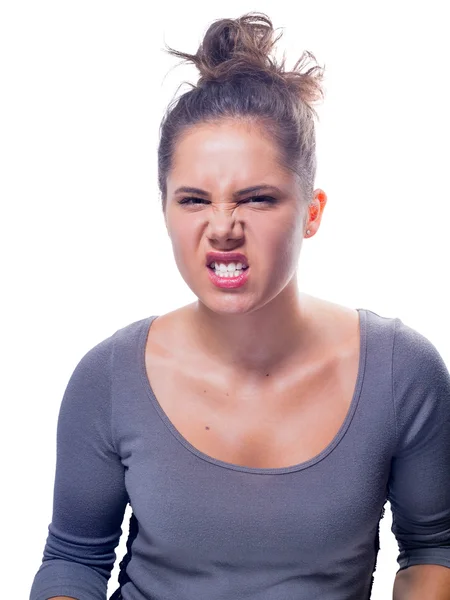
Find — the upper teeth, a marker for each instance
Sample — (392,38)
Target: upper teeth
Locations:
(227,267)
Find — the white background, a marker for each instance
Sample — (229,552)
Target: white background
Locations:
(84,250)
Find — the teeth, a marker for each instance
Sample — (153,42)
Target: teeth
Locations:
(227,274)
(232,267)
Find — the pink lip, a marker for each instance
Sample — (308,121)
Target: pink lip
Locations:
(226,257)
(228,282)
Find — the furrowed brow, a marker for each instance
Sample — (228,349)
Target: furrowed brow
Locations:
(238,194)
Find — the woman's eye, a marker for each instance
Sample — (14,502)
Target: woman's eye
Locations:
(260,199)
(257,199)
(189,200)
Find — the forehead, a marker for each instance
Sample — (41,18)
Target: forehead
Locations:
(225,154)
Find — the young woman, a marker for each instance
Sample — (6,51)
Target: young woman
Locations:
(257,432)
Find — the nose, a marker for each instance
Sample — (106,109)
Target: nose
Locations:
(223,224)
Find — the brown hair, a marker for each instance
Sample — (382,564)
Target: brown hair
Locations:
(240,80)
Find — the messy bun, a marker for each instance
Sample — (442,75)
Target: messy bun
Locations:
(240,78)
(236,48)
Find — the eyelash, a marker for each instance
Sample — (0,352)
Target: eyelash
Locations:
(267,199)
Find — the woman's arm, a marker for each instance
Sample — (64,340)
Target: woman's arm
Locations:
(89,491)
(422,581)
(419,482)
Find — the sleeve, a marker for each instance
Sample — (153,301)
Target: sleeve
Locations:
(89,498)
(419,481)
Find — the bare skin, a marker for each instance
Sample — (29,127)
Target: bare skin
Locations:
(286,417)
(261,375)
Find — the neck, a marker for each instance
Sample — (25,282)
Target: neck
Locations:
(254,343)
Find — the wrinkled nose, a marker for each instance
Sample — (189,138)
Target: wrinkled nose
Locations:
(223,224)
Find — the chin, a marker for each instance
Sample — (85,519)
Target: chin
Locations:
(228,305)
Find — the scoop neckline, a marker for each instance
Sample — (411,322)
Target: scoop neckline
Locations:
(145,330)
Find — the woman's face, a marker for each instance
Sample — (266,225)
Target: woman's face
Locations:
(222,159)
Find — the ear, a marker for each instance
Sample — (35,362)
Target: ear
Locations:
(317,207)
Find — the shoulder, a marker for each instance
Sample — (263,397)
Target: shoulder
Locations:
(87,394)
(129,334)
(419,379)
(415,356)
(420,387)
(98,358)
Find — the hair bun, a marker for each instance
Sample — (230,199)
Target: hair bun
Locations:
(235,47)
(242,47)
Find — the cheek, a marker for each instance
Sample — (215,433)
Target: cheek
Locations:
(283,249)
(180,244)
(184,246)
(281,236)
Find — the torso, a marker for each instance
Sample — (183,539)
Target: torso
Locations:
(220,418)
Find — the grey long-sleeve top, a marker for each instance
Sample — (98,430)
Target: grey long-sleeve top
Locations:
(202,528)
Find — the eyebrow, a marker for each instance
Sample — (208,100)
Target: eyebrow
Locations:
(238,194)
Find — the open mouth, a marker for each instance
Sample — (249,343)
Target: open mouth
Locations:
(228,279)
(231,269)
